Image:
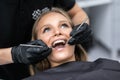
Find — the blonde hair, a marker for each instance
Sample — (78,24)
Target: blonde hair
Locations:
(80,53)
(55,10)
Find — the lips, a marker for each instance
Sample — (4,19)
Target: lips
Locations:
(59,43)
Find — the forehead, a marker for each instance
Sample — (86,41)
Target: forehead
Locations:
(52,18)
(53,15)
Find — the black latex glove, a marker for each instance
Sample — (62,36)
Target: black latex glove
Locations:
(81,35)
(28,54)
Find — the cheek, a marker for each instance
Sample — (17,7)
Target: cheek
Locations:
(67,32)
(45,39)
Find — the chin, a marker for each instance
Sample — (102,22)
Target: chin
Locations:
(61,58)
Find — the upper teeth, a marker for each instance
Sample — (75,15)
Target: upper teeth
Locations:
(58,41)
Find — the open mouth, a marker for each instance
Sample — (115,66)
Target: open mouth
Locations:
(59,43)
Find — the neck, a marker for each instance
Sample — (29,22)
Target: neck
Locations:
(54,64)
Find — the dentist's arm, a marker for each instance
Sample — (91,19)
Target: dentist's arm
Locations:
(25,54)
(5,56)
(78,14)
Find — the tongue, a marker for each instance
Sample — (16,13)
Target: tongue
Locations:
(59,46)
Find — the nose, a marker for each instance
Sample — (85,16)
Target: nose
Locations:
(57,32)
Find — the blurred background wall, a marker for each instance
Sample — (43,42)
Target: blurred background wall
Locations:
(105,21)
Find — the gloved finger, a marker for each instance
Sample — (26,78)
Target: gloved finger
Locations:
(72,32)
(37,49)
(77,29)
(81,31)
(77,33)
(43,55)
(87,35)
(84,27)
(47,52)
(87,32)
(71,41)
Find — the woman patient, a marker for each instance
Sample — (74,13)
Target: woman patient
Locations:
(65,62)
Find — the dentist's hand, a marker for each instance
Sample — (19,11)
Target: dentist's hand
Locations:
(83,34)
(30,54)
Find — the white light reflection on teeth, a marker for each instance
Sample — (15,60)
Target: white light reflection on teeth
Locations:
(58,41)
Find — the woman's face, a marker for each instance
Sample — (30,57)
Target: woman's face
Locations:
(54,30)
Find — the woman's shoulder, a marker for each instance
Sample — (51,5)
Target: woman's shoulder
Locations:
(107,63)
(100,69)
(100,63)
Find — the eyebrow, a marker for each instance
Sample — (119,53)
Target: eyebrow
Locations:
(66,22)
(50,24)
(63,21)
(44,26)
